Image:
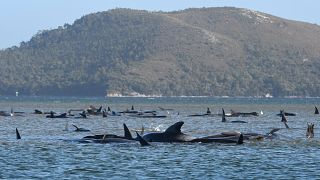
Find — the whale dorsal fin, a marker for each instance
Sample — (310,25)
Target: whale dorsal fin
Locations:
(75,126)
(223,116)
(99,110)
(142,141)
(18,134)
(175,128)
(127,133)
(240,140)
(316,111)
(273,131)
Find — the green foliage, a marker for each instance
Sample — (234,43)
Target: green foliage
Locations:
(208,51)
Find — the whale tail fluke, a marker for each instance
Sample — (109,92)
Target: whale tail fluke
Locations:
(240,140)
(18,134)
(284,120)
(127,133)
(142,141)
(285,123)
(310,131)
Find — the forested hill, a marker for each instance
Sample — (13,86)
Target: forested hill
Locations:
(208,51)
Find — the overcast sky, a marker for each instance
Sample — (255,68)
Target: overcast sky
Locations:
(21,19)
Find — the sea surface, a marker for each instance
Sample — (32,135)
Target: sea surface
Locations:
(49,148)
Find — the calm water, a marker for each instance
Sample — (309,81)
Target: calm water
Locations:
(46,150)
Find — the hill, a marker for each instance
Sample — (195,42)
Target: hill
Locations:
(208,51)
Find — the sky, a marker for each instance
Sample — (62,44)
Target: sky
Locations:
(21,19)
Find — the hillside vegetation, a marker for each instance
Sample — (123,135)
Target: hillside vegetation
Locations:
(207,52)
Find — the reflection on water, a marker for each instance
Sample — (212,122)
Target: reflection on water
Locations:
(46,150)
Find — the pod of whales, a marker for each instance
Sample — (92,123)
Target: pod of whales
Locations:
(173,133)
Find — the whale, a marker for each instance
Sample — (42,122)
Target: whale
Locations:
(80,129)
(37,111)
(247,136)
(173,134)
(142,141)
(94,111)
(285,113)
(132,111)
(110,138)
(242,114)
(225,120)
(111,113)
(208,113)
(83,114)
(147,114)
(63,115)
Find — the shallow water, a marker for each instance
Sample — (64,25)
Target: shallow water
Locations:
(46,150)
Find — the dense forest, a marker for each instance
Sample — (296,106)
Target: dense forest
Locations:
(194,52)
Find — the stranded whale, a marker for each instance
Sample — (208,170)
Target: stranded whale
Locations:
(174,134)
(225,120)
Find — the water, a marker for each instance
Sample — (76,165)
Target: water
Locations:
(46,150)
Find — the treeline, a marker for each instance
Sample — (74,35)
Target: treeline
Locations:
(209,51)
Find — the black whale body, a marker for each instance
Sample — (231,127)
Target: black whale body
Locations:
(174,134)
(110,138)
